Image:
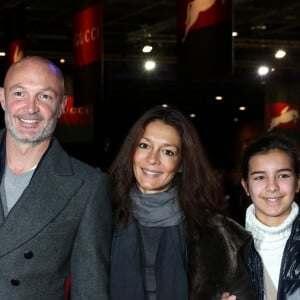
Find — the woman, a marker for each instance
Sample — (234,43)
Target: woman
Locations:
(271,178)
(171,240)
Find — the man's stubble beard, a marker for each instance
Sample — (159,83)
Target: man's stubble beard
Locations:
(40,136)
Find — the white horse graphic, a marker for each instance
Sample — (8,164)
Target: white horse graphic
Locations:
(285,116)
(192,11)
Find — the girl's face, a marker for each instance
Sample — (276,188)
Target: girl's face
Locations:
(272,184)
(157,157)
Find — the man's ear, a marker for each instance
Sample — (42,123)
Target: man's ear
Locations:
(2,98)
(62,106)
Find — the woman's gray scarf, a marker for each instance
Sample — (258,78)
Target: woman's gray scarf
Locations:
(156,210)
(126,278)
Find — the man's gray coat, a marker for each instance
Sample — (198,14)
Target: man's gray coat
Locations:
(61,224)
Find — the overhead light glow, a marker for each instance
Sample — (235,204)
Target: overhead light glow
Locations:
(259,27)
(280,53)
(147,49)
(263,70)
(150,65)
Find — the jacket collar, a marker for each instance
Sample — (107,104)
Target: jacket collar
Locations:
(44,198)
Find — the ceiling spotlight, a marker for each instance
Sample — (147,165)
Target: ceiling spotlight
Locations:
(234,33)
(280,53)
(147,49)
(219,98)
(263,70)
(258,27)
(150,65)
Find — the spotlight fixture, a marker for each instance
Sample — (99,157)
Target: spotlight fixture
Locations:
(147,48)
(150,65)
(263,70)
(280,54)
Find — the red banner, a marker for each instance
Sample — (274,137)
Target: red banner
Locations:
(282,106)
(15,51)
(282,115)
(204,40)
(87,33)
(76,115)
(195,14)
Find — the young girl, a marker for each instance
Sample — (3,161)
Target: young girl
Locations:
(270,178)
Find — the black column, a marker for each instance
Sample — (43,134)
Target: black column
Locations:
(204,39)
(87,23)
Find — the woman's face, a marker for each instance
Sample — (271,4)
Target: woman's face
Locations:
(272,184)
(157,157)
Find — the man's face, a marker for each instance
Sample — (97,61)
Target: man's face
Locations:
(32,99)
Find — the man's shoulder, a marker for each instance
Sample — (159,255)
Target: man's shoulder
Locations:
(67,160)
(86,169)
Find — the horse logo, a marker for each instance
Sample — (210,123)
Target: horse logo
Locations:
(285,116)
(192,12)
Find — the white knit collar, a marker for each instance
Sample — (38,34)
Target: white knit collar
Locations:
(262,232)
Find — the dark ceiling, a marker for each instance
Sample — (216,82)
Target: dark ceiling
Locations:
(262,25)
(127,23)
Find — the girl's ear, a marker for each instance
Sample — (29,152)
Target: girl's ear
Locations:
(245,186)
(298,185)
